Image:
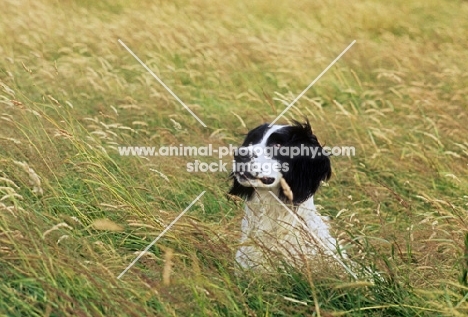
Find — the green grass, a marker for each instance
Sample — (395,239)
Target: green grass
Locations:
(70,94)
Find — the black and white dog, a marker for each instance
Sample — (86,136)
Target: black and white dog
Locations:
(277,221)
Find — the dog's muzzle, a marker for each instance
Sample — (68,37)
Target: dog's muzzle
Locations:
(249,176)
(244,167)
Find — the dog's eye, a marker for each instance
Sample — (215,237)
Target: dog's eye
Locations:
(276,145)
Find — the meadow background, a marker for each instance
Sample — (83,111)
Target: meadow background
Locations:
(74,214)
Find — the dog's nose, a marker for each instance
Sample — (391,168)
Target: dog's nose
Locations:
(243,155)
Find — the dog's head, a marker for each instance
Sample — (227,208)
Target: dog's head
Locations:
(268,154)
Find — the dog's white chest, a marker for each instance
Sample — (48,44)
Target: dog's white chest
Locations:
(269,228)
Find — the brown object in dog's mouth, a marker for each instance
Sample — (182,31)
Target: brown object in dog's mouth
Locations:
(286,189)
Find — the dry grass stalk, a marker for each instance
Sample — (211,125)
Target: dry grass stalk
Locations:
(34,179)
(167,266)
(56,227)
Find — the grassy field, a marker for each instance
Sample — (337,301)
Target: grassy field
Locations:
(74,213)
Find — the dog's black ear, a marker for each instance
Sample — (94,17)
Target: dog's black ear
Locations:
(304,177)
(238,190)
(306,172)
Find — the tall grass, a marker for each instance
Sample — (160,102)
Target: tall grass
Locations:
(70,95)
